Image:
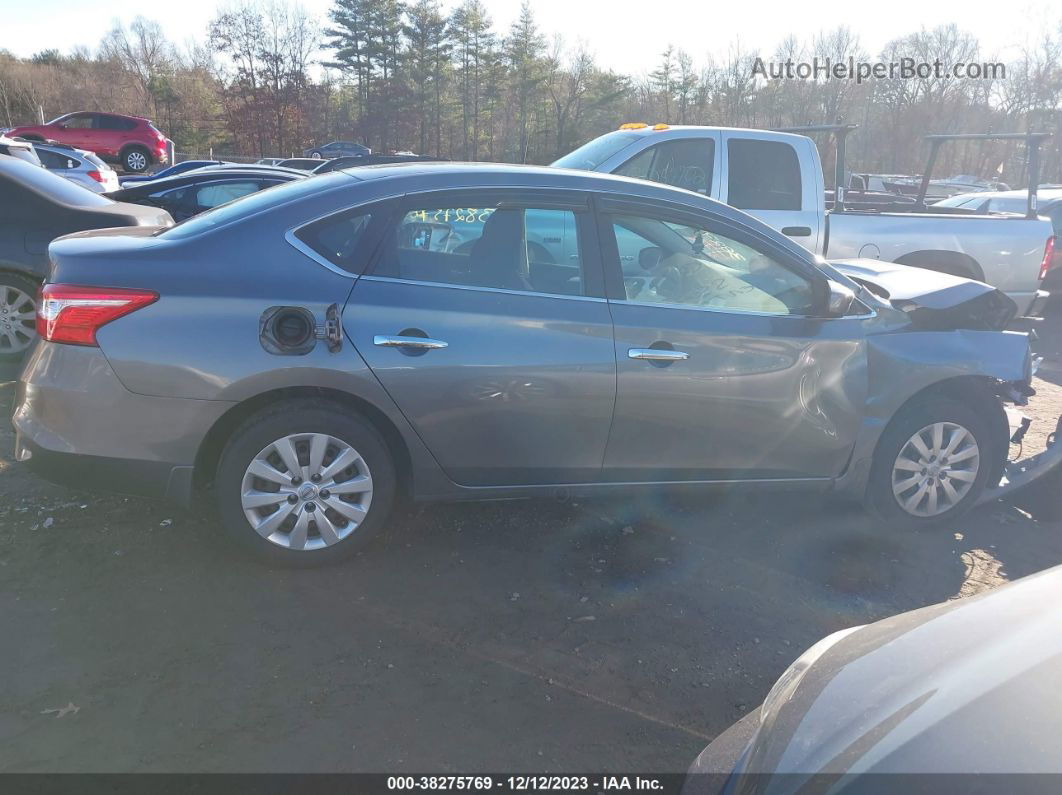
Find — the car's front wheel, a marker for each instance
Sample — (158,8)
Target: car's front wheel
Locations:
(316,155)
(305,483)
(932,464)
(18,315)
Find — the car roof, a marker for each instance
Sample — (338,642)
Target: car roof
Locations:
(202,175)
(457,176)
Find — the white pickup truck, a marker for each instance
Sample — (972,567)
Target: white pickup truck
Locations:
(778,177)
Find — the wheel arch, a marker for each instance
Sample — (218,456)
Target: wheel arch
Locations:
(127,147)
(954,262)
(210,449)
(974,391)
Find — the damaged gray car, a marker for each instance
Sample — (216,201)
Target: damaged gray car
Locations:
(304,357)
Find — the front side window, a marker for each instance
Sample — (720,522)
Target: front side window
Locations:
(672,262)
(762,175)
(82,121)
(495,246)
(682,163)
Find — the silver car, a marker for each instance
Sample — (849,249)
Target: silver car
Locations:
(957,697)
(78,166)
(307,355)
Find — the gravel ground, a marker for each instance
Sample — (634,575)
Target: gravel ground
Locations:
(537,635)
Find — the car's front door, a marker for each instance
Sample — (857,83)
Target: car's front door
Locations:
(497,349)
(78,131)
(724,372)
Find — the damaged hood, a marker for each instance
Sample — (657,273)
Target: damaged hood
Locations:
(932,300)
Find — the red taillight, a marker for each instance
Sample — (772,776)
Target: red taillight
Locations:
(96,176)
(1049,255)
(73,315)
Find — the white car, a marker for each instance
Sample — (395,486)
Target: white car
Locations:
(78,165)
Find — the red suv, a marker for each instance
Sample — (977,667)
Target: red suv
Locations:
(129,140)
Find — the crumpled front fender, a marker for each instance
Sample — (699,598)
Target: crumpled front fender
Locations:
(900,365)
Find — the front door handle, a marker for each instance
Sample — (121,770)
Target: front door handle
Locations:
(419,343)
(796,231)
(657,355)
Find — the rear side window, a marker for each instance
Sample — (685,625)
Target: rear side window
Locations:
(115,123)
(763,175)
(496,246)
(214,195)
(54,160)
(683,163)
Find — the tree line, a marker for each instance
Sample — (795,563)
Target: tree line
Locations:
(267,78)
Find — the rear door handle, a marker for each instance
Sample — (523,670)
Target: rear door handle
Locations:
(420,343)
(796,231)
(657,355)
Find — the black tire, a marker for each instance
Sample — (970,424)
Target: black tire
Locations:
(136,159)
(299,417)
(880,501)
(316,155)
(11,285)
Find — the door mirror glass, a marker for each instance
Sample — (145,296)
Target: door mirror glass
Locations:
(649,258)
(841,300)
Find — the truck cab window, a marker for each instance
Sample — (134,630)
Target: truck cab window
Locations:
(685,163)
(763,175)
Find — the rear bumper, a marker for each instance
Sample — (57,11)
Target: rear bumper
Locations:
(76,424)
(157,479)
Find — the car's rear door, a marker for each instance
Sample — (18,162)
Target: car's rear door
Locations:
(490,331)
(723,371)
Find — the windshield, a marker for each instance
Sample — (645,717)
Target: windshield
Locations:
(591,155)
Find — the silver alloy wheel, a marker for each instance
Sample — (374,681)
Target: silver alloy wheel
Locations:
(316,155)
(135,161)
(935,469)
(306,491)
(18,319)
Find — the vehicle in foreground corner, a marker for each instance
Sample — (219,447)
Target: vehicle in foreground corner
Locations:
(78,166)
(133,142)
(457,331)
(902,705)
(36,206)
(196,191)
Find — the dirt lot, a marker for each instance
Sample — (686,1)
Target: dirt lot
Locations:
(506,636)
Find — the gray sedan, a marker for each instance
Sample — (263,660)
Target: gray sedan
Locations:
(308,355)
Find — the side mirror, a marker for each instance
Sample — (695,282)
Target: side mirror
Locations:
(650,257)
(840,300)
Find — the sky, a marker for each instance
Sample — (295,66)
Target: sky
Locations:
(625,36)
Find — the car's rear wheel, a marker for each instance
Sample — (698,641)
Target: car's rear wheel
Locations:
(305,483)
(18,315)
(136,159)
(931,465)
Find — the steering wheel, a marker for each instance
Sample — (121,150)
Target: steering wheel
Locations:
(662,277)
